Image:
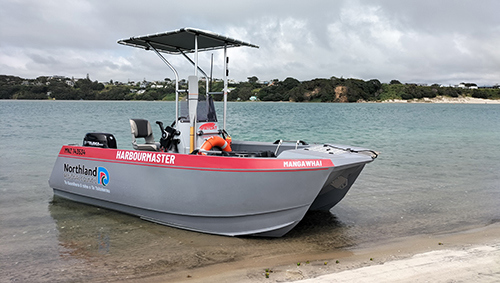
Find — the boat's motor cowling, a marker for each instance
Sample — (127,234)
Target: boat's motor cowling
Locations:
(102,140)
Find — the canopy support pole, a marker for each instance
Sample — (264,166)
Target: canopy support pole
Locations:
(196,55)
(176,80)
(225,85)
(193,97)
(194,64)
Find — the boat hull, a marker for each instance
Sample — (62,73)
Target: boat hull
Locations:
(211,194)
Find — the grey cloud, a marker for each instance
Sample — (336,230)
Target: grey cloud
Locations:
(419,41)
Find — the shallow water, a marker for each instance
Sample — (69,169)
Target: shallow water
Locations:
(438,172)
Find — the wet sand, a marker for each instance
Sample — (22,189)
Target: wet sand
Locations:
(469,256)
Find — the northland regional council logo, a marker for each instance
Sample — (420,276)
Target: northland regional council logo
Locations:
(97,175)
(103,176)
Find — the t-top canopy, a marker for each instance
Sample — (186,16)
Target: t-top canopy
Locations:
(183,40)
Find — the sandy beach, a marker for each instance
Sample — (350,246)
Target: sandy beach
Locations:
(469,256)
(446,99)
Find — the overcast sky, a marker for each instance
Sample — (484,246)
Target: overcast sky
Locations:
(425,41)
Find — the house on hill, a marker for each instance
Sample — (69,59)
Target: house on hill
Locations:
(468,86)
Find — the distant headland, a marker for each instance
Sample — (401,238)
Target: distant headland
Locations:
(291,90)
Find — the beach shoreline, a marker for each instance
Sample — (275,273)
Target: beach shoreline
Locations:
(446,99)
(472,255)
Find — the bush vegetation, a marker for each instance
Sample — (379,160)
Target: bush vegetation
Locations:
(317,90)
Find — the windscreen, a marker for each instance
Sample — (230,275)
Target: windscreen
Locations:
(205,111)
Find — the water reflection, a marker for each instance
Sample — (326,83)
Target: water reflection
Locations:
(322,229)
(124,246)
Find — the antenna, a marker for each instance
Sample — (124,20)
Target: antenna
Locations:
(211,71)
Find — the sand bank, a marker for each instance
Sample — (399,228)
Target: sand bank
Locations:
(473,264)
(446,99)
(470,256)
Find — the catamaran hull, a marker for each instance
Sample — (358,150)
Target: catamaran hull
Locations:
(218,195)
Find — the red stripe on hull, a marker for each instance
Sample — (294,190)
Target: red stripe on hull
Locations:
(193,162)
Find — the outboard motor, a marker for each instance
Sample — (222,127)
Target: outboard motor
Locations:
(102,140)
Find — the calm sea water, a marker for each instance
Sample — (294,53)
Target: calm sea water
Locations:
(439,171)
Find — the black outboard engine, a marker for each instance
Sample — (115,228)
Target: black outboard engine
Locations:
(102,140)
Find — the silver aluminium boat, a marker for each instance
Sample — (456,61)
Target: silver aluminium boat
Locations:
(195,177)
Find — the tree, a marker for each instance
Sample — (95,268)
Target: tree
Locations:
(243,93)
(374,86)
(8,91)
(476,93)
(253,80)
(297,94)
(113,93)
(290,83)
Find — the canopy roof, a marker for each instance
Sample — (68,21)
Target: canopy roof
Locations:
(183,40)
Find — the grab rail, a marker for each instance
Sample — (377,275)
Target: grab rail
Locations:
(297,142)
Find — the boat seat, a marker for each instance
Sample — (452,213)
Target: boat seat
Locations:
(141,128)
